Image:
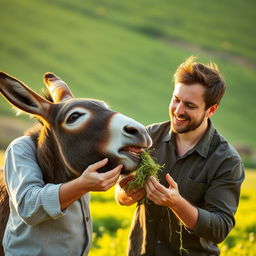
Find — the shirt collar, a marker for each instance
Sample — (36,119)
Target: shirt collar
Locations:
(168,136)
(202,146)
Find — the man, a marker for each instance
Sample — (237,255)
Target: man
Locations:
(191,208)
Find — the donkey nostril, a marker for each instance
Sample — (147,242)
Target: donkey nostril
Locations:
(131,130)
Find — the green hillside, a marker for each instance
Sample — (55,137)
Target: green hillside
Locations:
(226,26)
(126,53)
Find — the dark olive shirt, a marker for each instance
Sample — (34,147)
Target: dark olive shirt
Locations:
(209,176)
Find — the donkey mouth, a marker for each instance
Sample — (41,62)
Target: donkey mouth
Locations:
(132,152)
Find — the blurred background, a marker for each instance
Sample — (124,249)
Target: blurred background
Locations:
(125,53)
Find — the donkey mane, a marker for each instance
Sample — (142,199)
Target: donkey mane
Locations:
(48,156)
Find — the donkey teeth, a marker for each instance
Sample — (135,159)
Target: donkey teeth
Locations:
(133,150)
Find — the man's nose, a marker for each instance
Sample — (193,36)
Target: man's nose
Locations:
(179,110)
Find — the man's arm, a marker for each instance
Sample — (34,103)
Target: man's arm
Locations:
(90,180)
(215,220)
(160,195)
(171,198)
(37,202)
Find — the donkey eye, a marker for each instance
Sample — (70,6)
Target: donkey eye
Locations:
(74,116)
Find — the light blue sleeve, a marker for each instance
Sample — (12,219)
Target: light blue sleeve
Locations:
(33,200)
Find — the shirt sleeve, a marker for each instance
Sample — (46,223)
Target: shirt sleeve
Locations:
(216,218)
(33,200)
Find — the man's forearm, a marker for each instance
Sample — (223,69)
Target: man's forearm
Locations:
(186,212)
(70,192)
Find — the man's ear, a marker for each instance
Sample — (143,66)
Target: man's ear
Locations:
(211,110)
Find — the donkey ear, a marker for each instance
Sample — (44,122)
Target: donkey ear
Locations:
(58,89)
(22,97)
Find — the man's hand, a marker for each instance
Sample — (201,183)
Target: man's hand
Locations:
(170,197)
(126,196)
(136,193)
(161,195)
(91,180)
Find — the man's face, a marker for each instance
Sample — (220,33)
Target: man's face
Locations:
(187,108)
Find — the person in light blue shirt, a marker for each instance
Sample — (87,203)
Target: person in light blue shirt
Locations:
(48,219)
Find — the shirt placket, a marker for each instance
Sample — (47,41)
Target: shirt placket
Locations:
(86,219)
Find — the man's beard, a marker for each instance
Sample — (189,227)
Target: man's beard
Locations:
(191,126)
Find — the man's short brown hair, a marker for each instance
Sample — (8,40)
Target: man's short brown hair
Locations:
(191,72)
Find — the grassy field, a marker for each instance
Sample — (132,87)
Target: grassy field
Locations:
(126,54)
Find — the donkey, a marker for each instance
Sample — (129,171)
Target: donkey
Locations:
(72,133)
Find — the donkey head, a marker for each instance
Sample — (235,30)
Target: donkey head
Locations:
(81,131)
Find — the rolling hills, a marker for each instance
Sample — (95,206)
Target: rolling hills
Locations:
(125,53)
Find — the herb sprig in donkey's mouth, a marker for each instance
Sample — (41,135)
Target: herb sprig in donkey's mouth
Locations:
(147,167)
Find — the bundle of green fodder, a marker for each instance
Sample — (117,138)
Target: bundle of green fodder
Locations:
(147,167)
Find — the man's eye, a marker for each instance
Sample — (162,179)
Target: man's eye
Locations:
(175,100)
(73,117)
(191,106)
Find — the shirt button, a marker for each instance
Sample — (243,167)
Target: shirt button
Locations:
(158,241)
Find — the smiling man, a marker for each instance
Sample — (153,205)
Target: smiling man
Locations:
(191,208)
